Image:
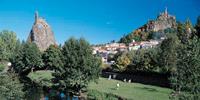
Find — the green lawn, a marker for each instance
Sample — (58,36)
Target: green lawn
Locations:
(41,77)
(133,91)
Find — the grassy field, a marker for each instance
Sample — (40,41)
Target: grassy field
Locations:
(41,77)
(133,91)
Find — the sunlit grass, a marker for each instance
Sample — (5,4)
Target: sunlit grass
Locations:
(133,91)
(42,77)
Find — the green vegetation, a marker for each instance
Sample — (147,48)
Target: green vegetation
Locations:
(2,67)
(74,67)
(80,66)
(168,53)
(136,35)
(178,54)
(122,62)
(185,80)
(43,78)
(10,87)
(185,77)
(27,59)
(96,95)
(143,60)
(8,44)
(161,59)
(133,91)
(52,57)
(197,27)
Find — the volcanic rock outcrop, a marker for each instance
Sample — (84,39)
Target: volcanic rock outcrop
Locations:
(163,21)
(41,34)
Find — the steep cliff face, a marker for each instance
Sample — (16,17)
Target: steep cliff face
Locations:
(41,34)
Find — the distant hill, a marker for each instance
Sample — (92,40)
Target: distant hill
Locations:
(152,29)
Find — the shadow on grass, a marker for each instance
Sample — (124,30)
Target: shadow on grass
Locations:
(112,88)
(148,78)
(148,89)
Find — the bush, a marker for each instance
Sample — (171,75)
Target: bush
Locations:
(1,67)
(10,87)
(96,95)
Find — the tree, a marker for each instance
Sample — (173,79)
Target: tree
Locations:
(185,79)
(144,36)
(126,39)
(168,54)
(2,49)
(80,66)
(8,44)
(143,60)
(28,57)
(10,87)
(189,29)
(185,31)
(181,32)
(137,36)
(52,57)
(197,27)
(122,62)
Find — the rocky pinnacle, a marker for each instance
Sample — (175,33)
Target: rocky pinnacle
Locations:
(41,33)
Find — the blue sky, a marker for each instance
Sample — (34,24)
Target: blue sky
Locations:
(99,21)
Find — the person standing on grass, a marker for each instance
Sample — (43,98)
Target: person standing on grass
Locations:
(117,86)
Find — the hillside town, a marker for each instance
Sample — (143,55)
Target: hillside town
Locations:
(113,48)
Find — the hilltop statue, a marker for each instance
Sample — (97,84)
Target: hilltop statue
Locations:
(41,33)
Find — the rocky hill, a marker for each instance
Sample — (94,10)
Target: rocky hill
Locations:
(162,22)
(41,34)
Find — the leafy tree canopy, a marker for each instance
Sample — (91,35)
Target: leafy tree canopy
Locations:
(185,79)
(10,87)
(8,44)
(80,66)
(52,57)
(28,57)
